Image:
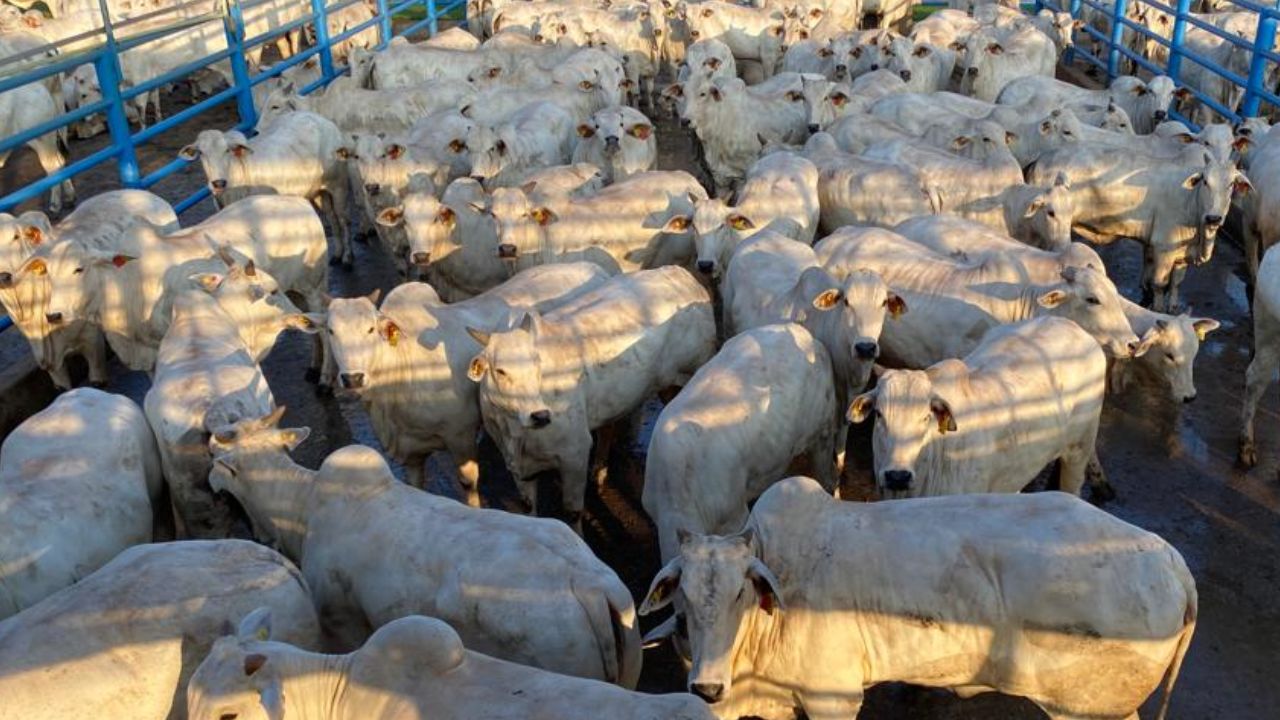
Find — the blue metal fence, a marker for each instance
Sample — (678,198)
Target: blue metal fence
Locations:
(1122,29)
(105,58)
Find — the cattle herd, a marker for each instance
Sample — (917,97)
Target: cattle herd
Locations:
(883,229)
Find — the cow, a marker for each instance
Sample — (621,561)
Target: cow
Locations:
(854,190)
(299,154)
(411,372)
(81,476)
(1173,208)
(157,610)
(373,550)
(97,223)
(536,136)
(619,140)
(411,666)
(548,383)
(1037,595)
(763,400)
(989,431)
(1266,351)
(954,301)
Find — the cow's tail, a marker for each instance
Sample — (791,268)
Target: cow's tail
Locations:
(1184,642)
(612,615)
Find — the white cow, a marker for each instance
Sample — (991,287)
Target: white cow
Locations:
(411,667)
(373,550)
(763,400)
(619,140)
(298,154)
(411,372)
(989,430)
(1266,350)
(1146,103)
(751,33)
(156,611)
(23,108)
(546,385)
(1170,343)
(357,109)
(854,190)
(955,301)
(80,477)
(96,223)
(1036,595)
(535,137)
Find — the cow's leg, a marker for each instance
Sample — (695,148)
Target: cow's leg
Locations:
(466,457)
(1162,280)
(338,197)
(822,458)
(574,468)
(1100,490)
(51,159)
(604,440)
(1266,360)
(415,473)
(94,351)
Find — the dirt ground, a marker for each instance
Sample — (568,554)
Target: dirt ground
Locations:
(1172,466)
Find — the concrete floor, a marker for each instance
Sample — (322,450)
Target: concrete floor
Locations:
(1172,466)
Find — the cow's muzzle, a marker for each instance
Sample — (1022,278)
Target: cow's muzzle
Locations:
(351,381)
(898,480)
(507,251)
(540,418)
(711,692)
(421,259)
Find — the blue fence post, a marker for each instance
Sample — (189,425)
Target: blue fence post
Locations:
(233,24)
(107,65)
(1182,7)
(384,24)
(1265,41)
(320,18)
(1117,38)
(434,16)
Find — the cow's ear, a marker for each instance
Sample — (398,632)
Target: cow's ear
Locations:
(239,150)
(190,152)
(942,413)
(1193,181)
(828,299)
(309,323)
(661,632)
(1034,206)
(479,336)
(1204,326)
(1010,138)
(1240,184)
(446,216)
(766,585)
(861,407)
(345,153)
(677,224)
(663,588)
(716,94)
(586,131)
(389,331)
(255,627)
(209,282)
(960,142)
(291,438)
(391,217)
(543,216)
(478,367)
(895,305)
(1052,299)
(271,695)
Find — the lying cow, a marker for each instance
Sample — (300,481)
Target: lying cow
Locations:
(374,550)
(1037,595)
(80,477)
(156,611)
(411,667)
(547,384)
(989,431)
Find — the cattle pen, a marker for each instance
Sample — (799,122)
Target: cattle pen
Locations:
(1173,465)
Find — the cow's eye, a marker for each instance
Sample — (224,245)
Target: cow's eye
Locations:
(370,332)
(1169,357)
(1093,301)
(1051,214)
(77,271)
(228,716)
(500,372)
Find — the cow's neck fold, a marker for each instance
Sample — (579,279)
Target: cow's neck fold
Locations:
(315,685)
(279,500)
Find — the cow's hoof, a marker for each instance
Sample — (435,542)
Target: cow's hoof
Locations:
(1101,493)
(1248,454)
(334,260)
(324,390)
(312,375)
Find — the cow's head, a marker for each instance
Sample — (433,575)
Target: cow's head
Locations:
(242,677)
(358,335)
(1087,296)
(714,582)
(1171,346)
(220,154)
(909,415)
(858,306)
(253,300)
(1049,215)
(509,370)
(1211,189)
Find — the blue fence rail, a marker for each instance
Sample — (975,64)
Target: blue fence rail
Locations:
(105,57)
(1122,33)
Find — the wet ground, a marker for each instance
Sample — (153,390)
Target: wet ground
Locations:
(1172,466)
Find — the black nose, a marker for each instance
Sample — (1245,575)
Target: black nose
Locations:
(54,317)
(540,418)
(421,258)
(372,188)
(1132,347)
(684,122)
(711,692)
(219,184)
(706,266)
(898,479)
(1212,219)
(351,380)
(972,72)
(813,128)
(906,75)
(6,279)
(507,251)
(866,350)
(842,69)
(1189,398)
(875,66)
(1160,115)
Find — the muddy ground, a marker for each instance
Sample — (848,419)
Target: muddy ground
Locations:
(1172,466)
